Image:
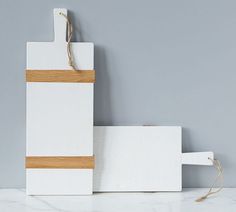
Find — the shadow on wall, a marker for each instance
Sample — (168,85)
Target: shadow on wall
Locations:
(77,31)
(102,100)
(102,91)
(102,95)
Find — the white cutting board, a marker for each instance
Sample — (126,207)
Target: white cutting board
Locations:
(141,158)
(59,115)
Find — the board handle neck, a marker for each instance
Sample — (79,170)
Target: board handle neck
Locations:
(198,158)
(59,25)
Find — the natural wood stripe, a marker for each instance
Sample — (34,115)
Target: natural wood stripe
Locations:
(60,76)
(76,162)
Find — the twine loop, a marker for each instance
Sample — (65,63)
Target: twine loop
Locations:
(219,178)
(71,62)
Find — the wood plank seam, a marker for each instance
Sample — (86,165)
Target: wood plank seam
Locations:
(83,76)
(60,162)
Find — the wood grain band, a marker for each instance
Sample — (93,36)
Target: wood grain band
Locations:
(60,76)
(75,162)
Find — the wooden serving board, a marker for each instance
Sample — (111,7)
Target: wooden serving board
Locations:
(141,158)
(59,146)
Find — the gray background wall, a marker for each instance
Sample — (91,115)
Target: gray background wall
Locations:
(157,62)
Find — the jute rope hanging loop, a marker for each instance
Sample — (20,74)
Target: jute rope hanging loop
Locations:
(219,177)
(69,37)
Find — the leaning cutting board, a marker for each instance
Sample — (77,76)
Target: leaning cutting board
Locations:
(59,146)
(141,158)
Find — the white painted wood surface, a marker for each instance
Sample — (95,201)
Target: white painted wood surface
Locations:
(141,158)
(197,158)
(59,115)
(136,158)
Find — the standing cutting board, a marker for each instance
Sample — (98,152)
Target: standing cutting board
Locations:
(141,158)
(59,146)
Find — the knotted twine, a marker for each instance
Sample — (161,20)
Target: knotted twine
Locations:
(69,36)
(219,178)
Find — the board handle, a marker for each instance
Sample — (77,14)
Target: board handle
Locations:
(197,158)
(59,25)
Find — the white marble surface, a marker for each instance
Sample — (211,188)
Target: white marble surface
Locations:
(15,200)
